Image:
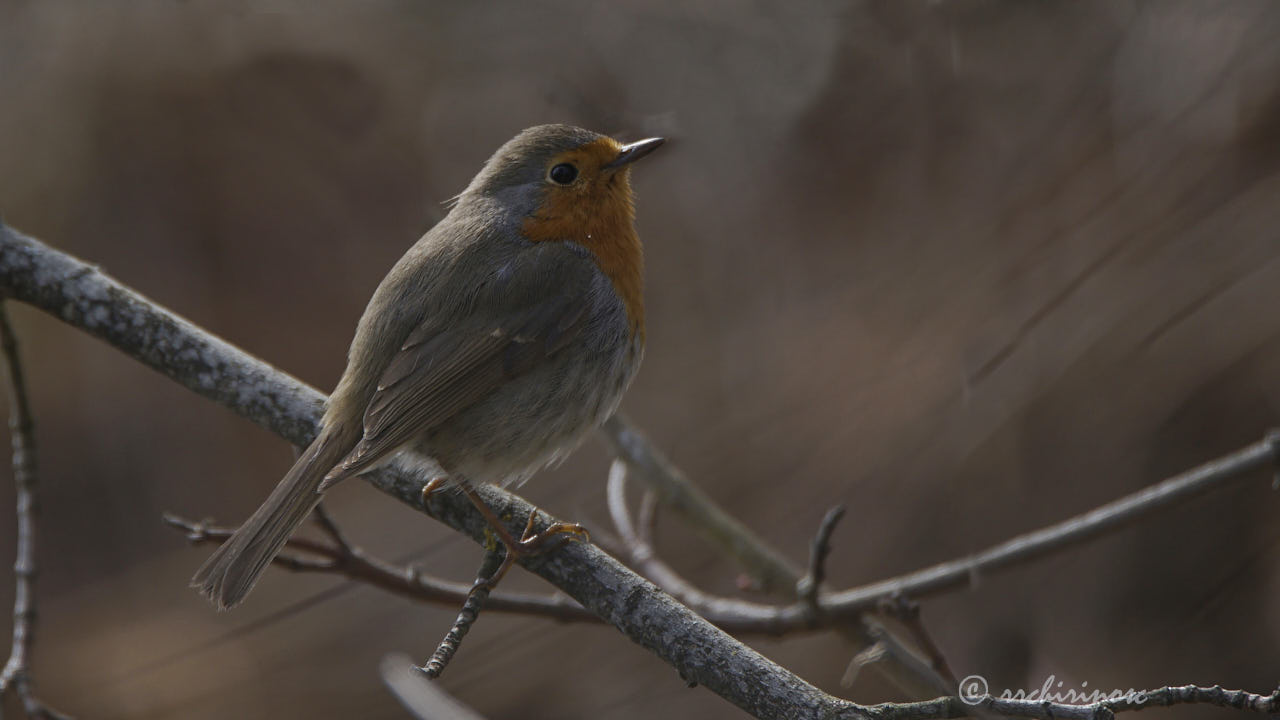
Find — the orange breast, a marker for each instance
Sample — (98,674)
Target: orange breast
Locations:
(598,213)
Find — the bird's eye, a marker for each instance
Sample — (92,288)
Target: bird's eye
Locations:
(563,174)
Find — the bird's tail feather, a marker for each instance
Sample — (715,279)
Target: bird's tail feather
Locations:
(233,569)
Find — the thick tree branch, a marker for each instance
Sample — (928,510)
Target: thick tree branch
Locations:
(748,618)
(84,297)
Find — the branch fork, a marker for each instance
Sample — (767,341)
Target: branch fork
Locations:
(82,296)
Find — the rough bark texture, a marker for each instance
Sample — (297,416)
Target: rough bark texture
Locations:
(83,296)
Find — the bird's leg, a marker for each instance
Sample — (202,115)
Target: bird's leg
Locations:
(530,543)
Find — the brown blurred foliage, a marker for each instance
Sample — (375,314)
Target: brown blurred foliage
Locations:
(968,267)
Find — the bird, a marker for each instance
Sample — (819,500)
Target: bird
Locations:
(491,348)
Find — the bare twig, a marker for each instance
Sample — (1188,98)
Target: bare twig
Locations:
(747,617)
(1055,538)
(960,573)
(867,656)
(1273,439)
(425,700)
(356,564)
(471,607)
(16,676)
(80,295)
(898,662)
(907,612)
(879,646)
(326,523)
(647,517)
(876,645)
(642,554)
(768,567)
(774,572)
(807,587)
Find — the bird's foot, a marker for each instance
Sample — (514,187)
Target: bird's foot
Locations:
(530,542)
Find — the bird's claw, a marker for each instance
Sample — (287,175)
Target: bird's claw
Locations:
(530,543)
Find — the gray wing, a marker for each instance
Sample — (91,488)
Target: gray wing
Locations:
(531,311)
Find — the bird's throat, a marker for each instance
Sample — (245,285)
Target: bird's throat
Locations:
(602,220)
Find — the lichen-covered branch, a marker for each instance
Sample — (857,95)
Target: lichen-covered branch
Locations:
(86,298)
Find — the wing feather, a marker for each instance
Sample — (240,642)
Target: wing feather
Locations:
(443,367)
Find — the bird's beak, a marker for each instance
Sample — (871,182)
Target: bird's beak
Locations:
(632,152)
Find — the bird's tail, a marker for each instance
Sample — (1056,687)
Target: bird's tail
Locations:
(233,569)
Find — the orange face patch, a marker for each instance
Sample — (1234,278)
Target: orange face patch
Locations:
(596,211)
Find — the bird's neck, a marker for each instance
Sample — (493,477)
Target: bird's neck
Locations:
(603,222)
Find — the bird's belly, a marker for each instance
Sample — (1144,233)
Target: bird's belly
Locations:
(535,419)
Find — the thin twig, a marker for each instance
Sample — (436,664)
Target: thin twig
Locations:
(772,569)
(907,612)
(1273,439)
(960,573)
(425,700)
(768,568)
(741,616)
(326,523)
(16,676)
(892,657)
(407,582)
(82,296)
(808,586)
(878,646)
(471,607)
(1022,549)
(642,554)
(866,657)
(647,517)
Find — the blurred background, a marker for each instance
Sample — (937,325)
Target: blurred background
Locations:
(967,267)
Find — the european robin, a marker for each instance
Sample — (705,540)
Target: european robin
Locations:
(500,339)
